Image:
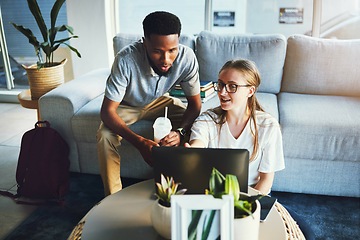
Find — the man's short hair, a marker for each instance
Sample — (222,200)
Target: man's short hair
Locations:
(161,23)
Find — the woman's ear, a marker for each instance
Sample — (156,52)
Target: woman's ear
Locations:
(251,91)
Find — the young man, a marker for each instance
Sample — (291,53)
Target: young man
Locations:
(140,76)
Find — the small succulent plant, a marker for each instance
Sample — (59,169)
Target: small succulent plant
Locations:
(220,185)
(166,188)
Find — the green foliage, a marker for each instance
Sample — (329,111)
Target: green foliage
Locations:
(206,224)
(49,44)
(166,189)
(229,185)
(195,218)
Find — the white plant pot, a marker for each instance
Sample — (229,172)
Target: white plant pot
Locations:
(248,228)
(161,219)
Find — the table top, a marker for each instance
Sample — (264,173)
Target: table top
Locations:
(26,101)
(126,215)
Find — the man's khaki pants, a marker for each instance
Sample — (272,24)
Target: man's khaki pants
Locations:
(108,141)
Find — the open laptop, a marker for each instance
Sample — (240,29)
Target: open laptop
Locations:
(192,166)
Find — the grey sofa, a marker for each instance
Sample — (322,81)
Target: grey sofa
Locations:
(312,86)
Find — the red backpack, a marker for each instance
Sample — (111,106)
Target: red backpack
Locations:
(43,166)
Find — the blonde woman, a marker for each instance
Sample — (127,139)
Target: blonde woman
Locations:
(240,122)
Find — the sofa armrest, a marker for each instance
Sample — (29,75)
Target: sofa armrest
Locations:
(59,105)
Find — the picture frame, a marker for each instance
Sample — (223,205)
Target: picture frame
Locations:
(193,215)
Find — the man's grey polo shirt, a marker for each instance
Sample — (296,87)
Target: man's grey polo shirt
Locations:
(133,81)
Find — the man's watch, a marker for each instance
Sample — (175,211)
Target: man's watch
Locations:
(181,131)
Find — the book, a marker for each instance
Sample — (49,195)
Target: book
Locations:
(203,99)
(204,85)
(180,93)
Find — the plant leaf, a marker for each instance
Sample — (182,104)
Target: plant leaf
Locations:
(73,49)
(242,208)
(29,34)
(65,27)
(195,218)
(216,183)
(181,191)
(55,11)
(35,11)
(47,50)
(209,224)
(232,186)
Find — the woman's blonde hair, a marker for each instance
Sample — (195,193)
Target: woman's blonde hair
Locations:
(252,76)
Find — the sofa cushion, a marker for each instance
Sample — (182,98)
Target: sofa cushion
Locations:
(269,103)
(322,66)
(320,127)
(86,121)
(267,51)
(123,39)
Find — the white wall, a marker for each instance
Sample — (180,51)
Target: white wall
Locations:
(239,7)
(89,19)
(263,16)
(133,12)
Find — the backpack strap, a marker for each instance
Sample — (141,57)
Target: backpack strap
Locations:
(42,124)
(8,194)
(32,201)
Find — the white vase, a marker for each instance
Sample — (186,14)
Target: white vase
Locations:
(161,219)
(247,228)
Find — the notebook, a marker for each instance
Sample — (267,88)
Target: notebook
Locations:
(192,166)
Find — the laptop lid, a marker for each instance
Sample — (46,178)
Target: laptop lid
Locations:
(192,166)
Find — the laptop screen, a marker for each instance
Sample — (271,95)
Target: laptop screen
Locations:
(192,166)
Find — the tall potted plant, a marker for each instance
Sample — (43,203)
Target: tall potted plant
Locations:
(46,75)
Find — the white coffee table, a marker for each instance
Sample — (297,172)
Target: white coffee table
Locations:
(126,215)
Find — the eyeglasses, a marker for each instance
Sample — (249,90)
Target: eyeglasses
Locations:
(230,87)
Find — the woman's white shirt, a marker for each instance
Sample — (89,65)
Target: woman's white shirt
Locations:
(270,157)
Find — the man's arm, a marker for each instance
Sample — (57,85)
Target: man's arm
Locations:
(191,113)
(112,120)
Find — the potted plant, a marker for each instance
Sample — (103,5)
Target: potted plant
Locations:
(161,210)
(246,208)
(46,75)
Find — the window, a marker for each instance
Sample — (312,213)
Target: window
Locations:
(18,47)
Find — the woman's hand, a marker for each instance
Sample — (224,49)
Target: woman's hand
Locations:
(195,143)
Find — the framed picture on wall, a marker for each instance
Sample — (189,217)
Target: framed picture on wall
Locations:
(202,215)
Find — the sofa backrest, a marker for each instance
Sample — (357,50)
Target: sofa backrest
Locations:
(266,50)
(123,39)
(322,66)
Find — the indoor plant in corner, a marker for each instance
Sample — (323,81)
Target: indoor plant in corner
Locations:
(46,75)
(161,210)
(246,208)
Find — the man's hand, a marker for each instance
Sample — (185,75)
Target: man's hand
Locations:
(173,139)
(145,148)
